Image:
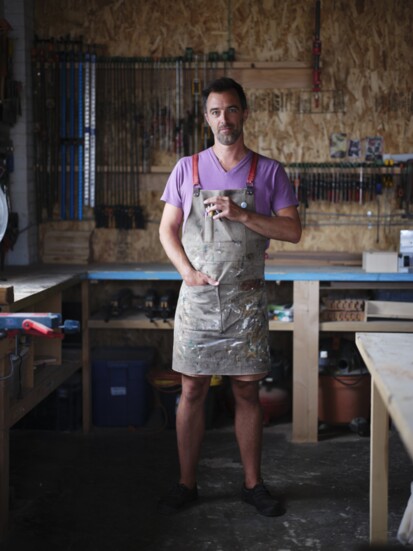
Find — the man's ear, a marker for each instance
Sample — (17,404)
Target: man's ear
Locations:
(206,118)
(245,114)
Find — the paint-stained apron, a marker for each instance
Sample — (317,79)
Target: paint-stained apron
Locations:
(222,330)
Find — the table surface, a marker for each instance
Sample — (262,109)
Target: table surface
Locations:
(272,273)
(389,358)
(30,280)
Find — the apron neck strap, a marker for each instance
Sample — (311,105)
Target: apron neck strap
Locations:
(195,174)
(252,173)
(250,179)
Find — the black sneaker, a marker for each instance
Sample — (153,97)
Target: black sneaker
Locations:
(178,498)
(262,500)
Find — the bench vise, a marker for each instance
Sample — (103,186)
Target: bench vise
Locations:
(37,324)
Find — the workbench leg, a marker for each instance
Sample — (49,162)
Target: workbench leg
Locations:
(305,361)
(379,468)
(4,482)
(86,371)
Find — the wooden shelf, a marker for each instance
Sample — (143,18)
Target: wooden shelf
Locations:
(140,321)
(46,379)
(368,326)
(132,320)
(276,325)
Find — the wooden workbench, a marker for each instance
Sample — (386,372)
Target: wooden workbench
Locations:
(34,291)
(309,285)
(389,358)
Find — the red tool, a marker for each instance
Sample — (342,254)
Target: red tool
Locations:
(37,324)
(316,55)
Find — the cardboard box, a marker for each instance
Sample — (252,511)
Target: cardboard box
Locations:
(380,261)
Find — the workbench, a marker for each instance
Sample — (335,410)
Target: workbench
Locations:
(309,284)
(41,289)
(389,359)
(44,365)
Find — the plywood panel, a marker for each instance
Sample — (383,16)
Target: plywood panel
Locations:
(367,83)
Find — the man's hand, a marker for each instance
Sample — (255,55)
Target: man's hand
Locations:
(193,278)
(221,206)
(284,226)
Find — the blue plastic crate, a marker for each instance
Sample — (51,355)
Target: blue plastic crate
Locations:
(121,394)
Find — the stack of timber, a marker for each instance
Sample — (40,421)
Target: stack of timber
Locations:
(342,309)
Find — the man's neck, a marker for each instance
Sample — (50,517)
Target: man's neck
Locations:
(230,155)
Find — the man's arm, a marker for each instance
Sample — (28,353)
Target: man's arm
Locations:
(169,235)
(285,226)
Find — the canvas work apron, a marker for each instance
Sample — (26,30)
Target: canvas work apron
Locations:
(222,330)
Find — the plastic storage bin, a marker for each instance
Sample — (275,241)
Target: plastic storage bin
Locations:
(121,394)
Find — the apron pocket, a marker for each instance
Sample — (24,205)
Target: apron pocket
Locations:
(199,308)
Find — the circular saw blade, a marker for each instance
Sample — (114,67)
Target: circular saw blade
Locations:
(4,214)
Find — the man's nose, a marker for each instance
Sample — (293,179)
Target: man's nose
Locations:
(223,116)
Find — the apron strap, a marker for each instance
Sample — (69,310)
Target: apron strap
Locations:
(195,174)
(250,179)
(252,173)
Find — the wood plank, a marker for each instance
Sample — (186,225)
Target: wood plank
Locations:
(305,357)
(50,378)
(370,327)
(278,78)
(389,359)
(6,294)
(388,310)
(378,468)
(5,349)
(86,362)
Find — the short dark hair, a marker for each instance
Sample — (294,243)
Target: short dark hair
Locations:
(223,84)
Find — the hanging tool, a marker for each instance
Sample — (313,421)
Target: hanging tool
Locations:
(80,137)
(63,168)
(86,163)
(316,56)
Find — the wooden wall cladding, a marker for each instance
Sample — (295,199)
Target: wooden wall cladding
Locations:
(367,82)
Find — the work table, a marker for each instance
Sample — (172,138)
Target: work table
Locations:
(272,273)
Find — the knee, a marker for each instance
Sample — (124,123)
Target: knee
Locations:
(245,391)
(194,389)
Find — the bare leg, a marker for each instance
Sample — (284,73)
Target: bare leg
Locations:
(190,425)
(248,428)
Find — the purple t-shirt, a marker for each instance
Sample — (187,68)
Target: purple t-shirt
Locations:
(272,188)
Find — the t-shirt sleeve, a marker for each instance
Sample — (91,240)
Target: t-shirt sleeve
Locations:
(283,195)
(172,191)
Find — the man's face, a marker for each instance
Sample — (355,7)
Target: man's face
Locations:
(225,116)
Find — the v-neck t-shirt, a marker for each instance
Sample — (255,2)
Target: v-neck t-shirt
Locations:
(272,188)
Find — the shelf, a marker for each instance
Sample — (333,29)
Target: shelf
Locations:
(140,321)
(370,326)
(276,325)
(130,321)
(46,379)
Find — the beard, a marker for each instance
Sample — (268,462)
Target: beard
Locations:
(230,138)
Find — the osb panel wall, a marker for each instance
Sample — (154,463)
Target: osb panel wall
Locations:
(366,62)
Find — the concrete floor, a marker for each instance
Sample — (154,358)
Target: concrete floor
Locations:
(98,492)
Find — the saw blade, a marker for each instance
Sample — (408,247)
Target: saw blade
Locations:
(4,214)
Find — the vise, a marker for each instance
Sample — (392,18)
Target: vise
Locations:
(37,324)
